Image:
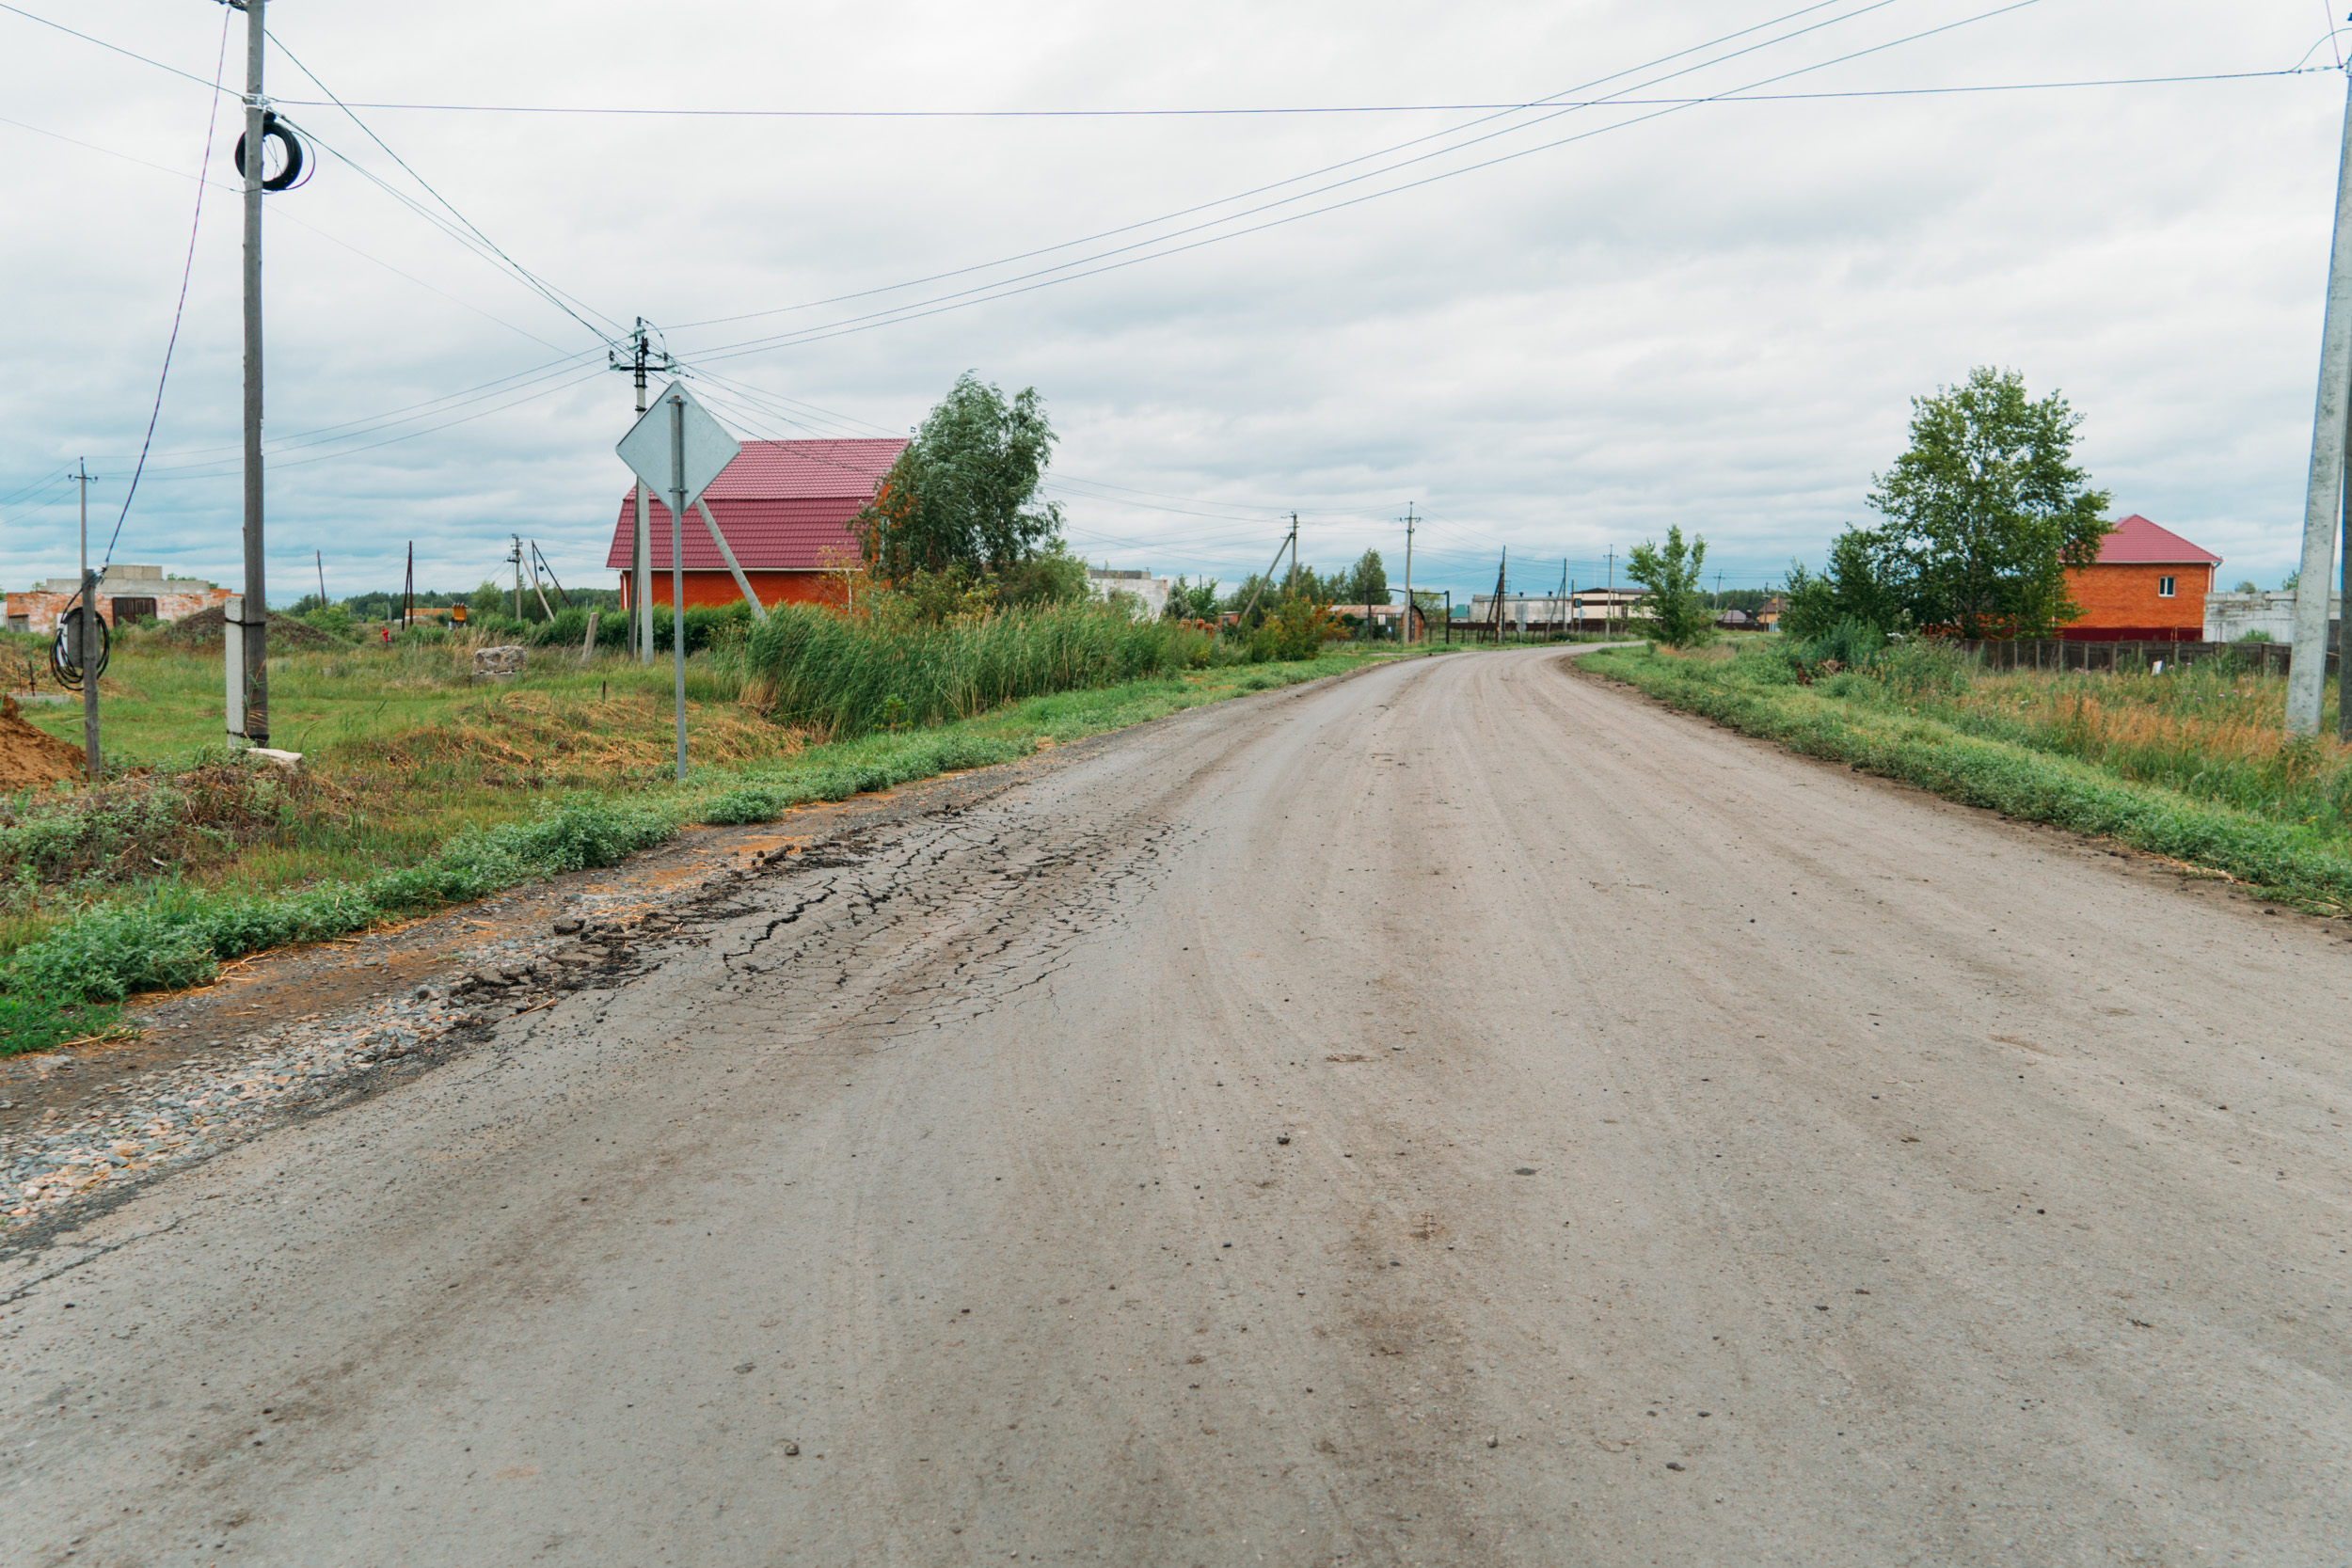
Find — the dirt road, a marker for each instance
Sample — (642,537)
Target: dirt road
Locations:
(1458,1115)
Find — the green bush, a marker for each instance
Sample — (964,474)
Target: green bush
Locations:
(767,800)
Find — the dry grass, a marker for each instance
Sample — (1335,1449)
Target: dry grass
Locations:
(540,739)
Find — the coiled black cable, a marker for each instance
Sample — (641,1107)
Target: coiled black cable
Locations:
(62,660)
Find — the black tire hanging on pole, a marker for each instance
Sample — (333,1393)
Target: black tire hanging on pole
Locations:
(287,139)
(62,663)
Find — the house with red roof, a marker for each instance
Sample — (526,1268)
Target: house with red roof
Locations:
(784,508)
(2148,584)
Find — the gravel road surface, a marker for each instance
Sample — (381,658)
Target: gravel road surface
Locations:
(1461,1113)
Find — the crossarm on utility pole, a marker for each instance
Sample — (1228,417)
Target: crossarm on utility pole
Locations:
(727,555)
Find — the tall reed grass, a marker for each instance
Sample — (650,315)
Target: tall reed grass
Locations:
(842,675)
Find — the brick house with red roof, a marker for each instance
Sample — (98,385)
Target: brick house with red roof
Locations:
(2149,584)
(785,507)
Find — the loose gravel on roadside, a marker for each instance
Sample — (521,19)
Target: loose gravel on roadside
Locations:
(192,1110)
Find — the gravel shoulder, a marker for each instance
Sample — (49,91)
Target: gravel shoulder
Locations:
(1463,1114)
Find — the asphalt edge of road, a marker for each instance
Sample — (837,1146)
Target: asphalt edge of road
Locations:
(2178,876)
(940,796)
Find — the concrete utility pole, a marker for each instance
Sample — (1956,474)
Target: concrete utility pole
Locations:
(640,539)
(256,625)
(2307,675)
(517,557)
(677,566)
(1609,605)
(85,636)
(1409,574)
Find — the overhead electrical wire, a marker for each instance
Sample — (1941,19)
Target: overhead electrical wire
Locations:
(115,48)
(538,285)
(1275,110)
(1260,190)
(1063,272)
(187,270)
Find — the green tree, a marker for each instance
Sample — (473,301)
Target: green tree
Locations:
(1677,608)
(963,496)
(1865,582)
(1188,600)
(1988,509)
(1366,581)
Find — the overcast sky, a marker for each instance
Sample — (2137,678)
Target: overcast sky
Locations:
(1712,315)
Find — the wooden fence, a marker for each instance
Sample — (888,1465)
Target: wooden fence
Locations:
(2268,658)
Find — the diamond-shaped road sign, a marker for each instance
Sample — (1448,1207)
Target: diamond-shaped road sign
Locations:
(652,450)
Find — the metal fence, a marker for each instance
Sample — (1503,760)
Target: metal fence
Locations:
(2268,658)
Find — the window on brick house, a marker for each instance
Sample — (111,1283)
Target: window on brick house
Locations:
(2164,588)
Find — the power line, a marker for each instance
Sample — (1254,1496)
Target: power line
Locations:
(187,269)
(1047,278)
(115,48)
(1513,106)
(546,290)
(1276,185)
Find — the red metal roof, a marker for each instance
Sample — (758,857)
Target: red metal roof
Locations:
(2139,542)
(784,506)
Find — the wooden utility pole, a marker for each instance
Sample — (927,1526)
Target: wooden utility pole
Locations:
(1289,542)
(254,624)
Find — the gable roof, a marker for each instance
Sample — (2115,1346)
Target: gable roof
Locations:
(2139,542)
(784,506)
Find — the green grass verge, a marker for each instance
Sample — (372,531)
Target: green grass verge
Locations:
(72,981)
(2294,862)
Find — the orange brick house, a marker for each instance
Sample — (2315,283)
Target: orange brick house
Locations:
(785,507)
(2148,584)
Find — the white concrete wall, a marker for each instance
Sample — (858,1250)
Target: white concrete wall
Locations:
(2231,616)
(1151,592)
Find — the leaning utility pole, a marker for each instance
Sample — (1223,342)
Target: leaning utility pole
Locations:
(1289,543)
(256,602)
(85,636)
(2307,673)
(1409,574)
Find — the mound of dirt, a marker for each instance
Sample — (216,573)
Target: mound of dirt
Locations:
(206,627)
(31,757)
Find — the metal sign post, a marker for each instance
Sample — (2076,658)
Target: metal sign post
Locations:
(677,447)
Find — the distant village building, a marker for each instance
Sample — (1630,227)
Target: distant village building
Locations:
(784,508)
(2149,584)
(2231,616)
(1591,610)
(1385,619)
(125,594)
(1151,591)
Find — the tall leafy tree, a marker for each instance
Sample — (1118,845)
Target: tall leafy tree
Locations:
(1867,582)
(962,497)
(1366,581)
(1679,612)
(1987,510)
